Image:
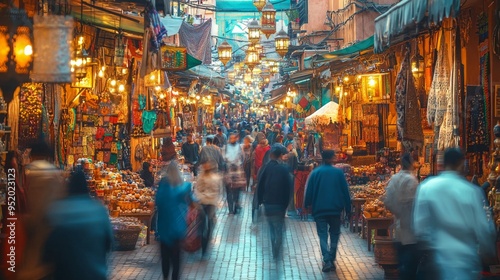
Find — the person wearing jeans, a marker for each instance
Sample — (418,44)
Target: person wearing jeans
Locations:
(273,190)
(328,195)
(328,225)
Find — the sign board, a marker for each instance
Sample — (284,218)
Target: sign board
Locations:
(173,58)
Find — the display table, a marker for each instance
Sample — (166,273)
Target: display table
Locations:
(356,215)
(143,218)
(376,224)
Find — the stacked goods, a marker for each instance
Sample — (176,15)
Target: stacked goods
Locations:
(126,233)
(371,190)
(347,169)
(123,223)
(375,209)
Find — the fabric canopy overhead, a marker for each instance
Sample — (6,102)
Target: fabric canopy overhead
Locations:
(107,17)
(407,13)
(246,6)
(352,50)
(324,114)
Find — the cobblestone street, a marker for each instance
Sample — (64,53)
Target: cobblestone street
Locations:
(242,252)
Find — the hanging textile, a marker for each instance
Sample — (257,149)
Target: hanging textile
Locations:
(153,23)
(484,66)
(13,120)
(440,87)
(449,131)
(477,129)
(197,40)
(409,124)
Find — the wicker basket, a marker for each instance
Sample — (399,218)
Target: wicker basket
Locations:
(126,239)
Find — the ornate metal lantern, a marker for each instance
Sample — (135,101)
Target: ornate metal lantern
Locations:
(259,4)
(16,50)
(247,77)
(266,76)
(268,20)
(225,52)
(253,32)
(252,58)
(281,42)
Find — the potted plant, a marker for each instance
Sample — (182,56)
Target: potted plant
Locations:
(294,18)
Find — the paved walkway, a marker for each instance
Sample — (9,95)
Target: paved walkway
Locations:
(242,252)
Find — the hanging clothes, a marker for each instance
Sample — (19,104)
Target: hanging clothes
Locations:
(476,122)
(197,40)
(440,90)
(409,123)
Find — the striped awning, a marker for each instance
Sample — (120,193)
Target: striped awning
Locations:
(407,14)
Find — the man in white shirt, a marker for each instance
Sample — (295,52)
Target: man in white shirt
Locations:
(399,199)
(450,218)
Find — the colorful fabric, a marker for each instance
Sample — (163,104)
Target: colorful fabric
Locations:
(153,21)
(476,123)
(197,40)
(303,102)
(408,110)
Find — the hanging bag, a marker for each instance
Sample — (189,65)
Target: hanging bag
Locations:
(194,220)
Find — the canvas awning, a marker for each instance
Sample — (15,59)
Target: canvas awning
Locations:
(355,49)
(329,112)
(274,100)
(113,19)
(408,13)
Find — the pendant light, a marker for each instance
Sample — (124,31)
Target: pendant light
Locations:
(268,20)
(225,52)
(252,57)
(259,4)
(282,42)
(254,31)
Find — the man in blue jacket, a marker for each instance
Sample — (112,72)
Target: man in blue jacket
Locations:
(274,191)
(328,194)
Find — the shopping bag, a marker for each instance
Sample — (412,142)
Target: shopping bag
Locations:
(192,242)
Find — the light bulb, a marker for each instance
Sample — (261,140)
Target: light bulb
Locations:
(158,88)
(28,50)
(121,88)
(113,83)
(162,95)
(124,71)
(100,74)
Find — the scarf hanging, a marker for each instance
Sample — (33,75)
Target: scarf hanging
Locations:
(408,122)
(440,86)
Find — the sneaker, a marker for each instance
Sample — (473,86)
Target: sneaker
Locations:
(327,267)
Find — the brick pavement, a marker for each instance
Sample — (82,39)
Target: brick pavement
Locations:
(242,252)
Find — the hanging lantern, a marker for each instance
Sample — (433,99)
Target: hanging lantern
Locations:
(79,63)
(53,35)
(260,50)
(417,64)
(259,4)
(281,42)
(253,31)
(252,58)
(268,20)
(16,50)
(247,78)
(119,51)
(225,52)
(231,75)
(266,76)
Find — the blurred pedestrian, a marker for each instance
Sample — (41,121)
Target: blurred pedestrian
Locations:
(274,191)
(44,185)
(235,177)
(211,152)
(191,152)
(328,194)
(208,191)
(451,221)
(399,199)
(82,235)
(220,139)
(168,152)
(172,205)
(147,174)
(247,158)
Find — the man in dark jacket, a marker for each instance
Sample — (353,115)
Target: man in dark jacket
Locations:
(273,191)
(328,194)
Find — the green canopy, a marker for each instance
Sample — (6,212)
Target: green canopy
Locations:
(354,49)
